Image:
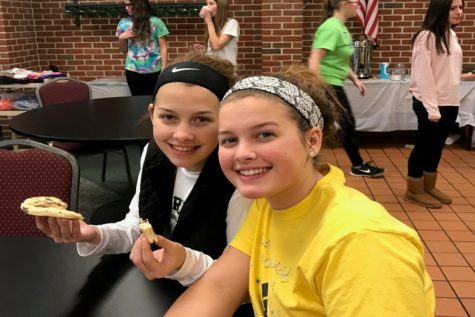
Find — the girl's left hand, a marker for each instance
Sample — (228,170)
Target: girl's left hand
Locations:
(198,47)
(159,263)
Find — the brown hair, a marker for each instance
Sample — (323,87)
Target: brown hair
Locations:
(141,13)
(329,7)
(436,21)
(220,19)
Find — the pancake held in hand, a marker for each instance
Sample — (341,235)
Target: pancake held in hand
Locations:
(45,206)
(147,230)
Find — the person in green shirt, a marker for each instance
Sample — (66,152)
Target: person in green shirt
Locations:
(330,58)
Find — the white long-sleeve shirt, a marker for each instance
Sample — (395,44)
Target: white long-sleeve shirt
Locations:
(119,237)
(435,79)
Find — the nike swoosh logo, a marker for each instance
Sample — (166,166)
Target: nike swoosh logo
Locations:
(366,170)
(176,70)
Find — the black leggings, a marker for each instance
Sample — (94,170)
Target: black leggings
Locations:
(430,138)
(348,128)
(141,83)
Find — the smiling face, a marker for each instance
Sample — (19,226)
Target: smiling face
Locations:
(263,153)
(456,12)
(184,119)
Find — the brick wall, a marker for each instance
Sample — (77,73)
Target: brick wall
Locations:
(38,33)
(18,47)
(398,21)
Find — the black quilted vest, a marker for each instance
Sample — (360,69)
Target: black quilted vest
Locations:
(202,221)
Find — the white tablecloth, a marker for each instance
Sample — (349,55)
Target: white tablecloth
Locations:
(109,87)
(387,105)
(101,88)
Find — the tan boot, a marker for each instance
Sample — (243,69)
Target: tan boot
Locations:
(415,194)
(429,187)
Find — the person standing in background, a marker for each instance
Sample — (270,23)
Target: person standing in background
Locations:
(222,31)
(330,58)
(142,36)
(436,71)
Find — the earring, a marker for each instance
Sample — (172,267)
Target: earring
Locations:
(313,154)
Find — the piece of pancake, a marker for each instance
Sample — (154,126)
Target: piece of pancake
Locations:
(147,230)
(47,206)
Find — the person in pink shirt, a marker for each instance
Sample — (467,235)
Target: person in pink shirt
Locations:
(435,78)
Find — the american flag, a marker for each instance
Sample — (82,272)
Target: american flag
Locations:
(367,14)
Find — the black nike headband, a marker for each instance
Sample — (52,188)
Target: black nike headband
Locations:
(196,74)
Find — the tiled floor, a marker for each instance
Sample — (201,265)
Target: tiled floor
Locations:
(448,233)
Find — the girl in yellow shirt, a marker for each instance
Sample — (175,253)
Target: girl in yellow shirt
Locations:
(309,246)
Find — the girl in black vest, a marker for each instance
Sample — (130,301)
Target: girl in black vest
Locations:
(181,189)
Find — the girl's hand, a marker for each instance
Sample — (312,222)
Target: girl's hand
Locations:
(205,13)
(434,117)
(468,76)
(67,231)
(361,87)
(199,47)
(127,34)
(159,263)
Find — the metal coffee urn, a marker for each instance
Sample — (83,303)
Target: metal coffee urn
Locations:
(361,60)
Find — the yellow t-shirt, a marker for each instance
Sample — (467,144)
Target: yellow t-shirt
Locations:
(336,253)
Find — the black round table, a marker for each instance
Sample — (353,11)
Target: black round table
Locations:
(120,119)
(41,278)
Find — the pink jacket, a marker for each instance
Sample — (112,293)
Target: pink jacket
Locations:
(435,79)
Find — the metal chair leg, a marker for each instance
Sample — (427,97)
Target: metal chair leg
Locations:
(104,166)
(469,133)
(127,168)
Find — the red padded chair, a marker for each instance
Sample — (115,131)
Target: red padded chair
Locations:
(37,170)
(63,90)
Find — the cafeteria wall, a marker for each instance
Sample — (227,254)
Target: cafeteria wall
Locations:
(274,33)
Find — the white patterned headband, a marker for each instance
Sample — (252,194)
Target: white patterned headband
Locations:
(288,92)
